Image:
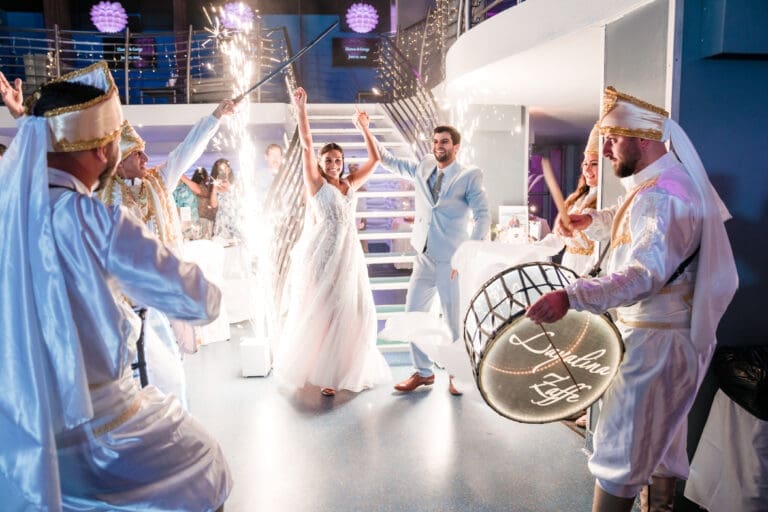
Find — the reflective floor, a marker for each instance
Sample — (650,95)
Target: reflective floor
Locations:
(378,450)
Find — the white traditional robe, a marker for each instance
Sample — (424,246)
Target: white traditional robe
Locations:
(140,450)
(641,429)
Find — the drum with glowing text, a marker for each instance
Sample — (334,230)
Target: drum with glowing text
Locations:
(537,373)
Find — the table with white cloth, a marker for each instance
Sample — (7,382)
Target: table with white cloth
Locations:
(730,468)
(210,257)
(239,285)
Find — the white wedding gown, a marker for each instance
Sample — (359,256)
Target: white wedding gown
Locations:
(329,335)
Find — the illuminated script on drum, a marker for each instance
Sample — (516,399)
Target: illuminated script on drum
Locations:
(551,391)
(557,387)
(538,375)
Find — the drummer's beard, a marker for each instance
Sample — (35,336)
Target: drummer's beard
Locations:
(627,164)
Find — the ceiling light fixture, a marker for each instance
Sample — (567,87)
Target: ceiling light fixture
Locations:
(109,17)
(362,17)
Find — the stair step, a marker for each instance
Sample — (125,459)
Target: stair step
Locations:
(392,346)
(386,193)
(390,283)
(383,214)
(384,311)
(381,176)
(375,258)
(361,145)
(342,117)
(383,235)
(353,131)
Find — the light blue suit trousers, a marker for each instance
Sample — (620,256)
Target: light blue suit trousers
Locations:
(439,228)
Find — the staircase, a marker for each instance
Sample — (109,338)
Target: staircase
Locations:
(385,206)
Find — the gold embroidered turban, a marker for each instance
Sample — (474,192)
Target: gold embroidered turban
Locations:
(88,125)
(593,143)
(626,115)
(130,141)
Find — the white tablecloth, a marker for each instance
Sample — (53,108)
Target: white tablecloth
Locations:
(209,256)
(730,468)
(239,286)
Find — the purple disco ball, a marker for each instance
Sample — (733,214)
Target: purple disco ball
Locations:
(236,15)
(109,17)
(362,18)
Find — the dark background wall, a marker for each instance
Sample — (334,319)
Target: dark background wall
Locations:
(724,110)
(723,107)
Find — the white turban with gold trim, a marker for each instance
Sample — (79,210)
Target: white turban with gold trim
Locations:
(626,115)
(130,141)
(88,125)
(593,143)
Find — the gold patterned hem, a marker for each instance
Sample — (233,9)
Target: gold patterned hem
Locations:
(581,251)
(587,247)
(119,420)
(647,324)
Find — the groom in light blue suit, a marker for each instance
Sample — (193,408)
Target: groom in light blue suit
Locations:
(446,193)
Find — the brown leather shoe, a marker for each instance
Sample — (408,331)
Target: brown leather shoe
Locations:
(415,381)
(451,388)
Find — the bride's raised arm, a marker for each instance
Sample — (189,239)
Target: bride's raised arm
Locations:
(313,180)
(361,175)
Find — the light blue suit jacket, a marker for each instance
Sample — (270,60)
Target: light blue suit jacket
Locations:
(442,225)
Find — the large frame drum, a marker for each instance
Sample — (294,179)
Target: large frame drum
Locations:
(537,373)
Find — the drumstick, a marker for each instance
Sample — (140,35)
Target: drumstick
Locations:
(554,190)
(557,352)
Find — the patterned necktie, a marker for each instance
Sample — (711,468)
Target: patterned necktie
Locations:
(437,185)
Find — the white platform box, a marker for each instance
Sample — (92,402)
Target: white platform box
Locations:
(254,357)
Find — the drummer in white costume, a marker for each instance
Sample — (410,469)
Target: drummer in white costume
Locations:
(670,276)
(148,194)
(78,432)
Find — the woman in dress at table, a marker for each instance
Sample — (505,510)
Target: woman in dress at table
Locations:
(229,198)
(185,196)
(329,334)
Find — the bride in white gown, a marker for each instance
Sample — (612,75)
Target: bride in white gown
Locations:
(329,335)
